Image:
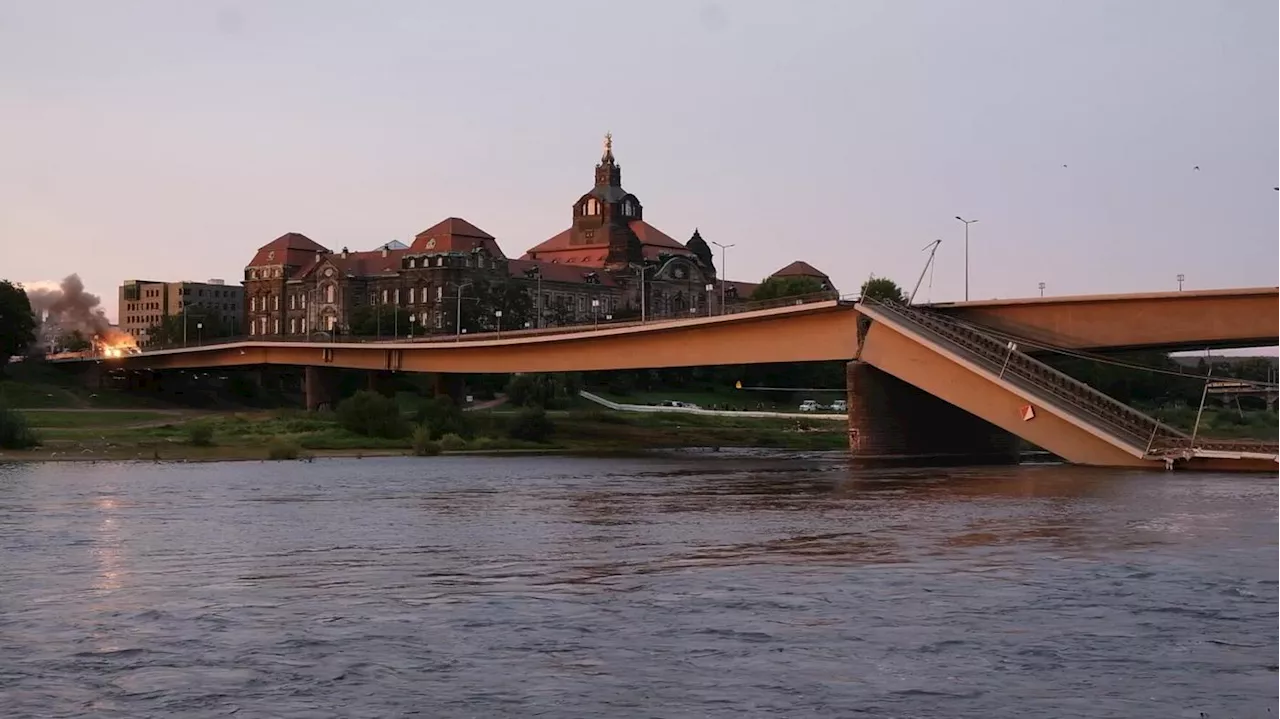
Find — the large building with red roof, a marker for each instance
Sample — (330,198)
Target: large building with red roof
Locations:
(609,264)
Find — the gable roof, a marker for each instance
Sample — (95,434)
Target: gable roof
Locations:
(800,268)
(291,248)
(454,234)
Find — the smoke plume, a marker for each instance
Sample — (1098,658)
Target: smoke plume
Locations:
(68,308)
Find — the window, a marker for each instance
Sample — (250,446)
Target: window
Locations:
(410,295)
(293,326)
(253,328)
(330,321)
(411,263)
(328,294)
(304,300)
(277,325)
(293,302)
(373,298)
(396,295)
(384,297)
(440,262)
(440,292)
(303,324)
(439,324)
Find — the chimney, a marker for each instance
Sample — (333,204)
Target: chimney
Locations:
(345,251)
(386,250)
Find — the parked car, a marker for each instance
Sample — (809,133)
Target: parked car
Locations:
(809,406)
(840,405)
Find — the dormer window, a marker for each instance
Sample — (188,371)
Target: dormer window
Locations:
(411,263)
(591,207)
(628,209)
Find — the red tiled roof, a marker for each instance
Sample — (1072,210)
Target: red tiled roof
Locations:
(557,272)
(744,289)
(291,248)
(800,268)
(454,234)
(653,243)
(359,264)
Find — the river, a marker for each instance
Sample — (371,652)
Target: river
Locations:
(684,585)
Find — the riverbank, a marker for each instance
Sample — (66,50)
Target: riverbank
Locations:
(95,435)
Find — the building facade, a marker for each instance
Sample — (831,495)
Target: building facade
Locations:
(609,264)
(143,304)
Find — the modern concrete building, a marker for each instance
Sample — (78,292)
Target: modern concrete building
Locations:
(145,303)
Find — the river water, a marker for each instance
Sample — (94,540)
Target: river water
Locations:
(688,585)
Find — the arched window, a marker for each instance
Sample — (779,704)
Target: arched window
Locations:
(591,207)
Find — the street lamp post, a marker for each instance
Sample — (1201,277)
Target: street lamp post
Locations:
(724,273)
(458,327)
(1181,279)
(710,288)
(643,268)
(595,311)
(1042,289)
(412,319)
(498,314)
(199,333)
(966,254)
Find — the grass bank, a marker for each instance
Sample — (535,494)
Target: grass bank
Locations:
(169,435)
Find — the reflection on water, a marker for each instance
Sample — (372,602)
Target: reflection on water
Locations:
(680,585)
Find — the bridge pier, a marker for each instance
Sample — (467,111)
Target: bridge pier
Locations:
(892,421)
(320,388)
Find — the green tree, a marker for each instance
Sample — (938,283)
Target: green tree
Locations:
(380,321)
(777,287)
(74,342)
(17,323)
(883,289)
(551,391)
(440,416)
(372,415)
(531,424)
(191,327)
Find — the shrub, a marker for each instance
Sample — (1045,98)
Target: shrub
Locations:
(372,415)
(200,434)
(531,425)
(441,416)
(452,443)
(423,446)
(15,433)
(481,444)
(543,390)
(280,448)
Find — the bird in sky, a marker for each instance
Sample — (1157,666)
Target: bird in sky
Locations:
(1196,168)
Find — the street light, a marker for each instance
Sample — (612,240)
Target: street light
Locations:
(412,320)
(458,327)
(595,311)
(199,333)
(498,314)
(966,254)
(724,273)
(1042,289)
(535,272)
(1181,279)
(710,288)
(643,268)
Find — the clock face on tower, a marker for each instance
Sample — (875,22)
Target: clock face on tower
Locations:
(679,273)
(328,272)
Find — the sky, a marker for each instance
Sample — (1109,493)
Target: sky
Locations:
(167,141)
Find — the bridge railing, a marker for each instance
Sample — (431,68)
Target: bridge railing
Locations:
(1016,367)
(585,327)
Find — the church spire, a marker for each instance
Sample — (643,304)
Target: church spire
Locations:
(607,157)
(608,173)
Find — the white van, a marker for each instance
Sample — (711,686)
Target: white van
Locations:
(809,406)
